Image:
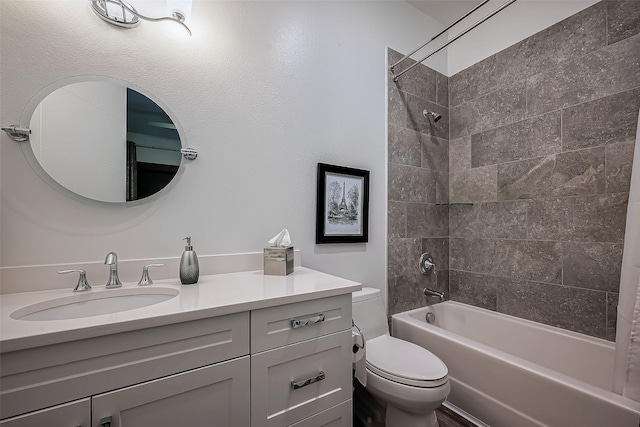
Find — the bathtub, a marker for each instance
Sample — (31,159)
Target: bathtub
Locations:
(510,372)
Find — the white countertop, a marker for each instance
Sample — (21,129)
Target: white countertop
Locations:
(213,295)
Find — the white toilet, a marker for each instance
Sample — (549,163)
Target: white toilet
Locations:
(408,380)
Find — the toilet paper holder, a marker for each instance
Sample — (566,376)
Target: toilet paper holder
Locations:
(357,347)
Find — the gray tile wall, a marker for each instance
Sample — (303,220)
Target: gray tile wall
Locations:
(418,179)
(542,138)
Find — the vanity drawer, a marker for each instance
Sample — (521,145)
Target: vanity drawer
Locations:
(338,416)
(291,383)
(277,326)
(45,376)
(77,413)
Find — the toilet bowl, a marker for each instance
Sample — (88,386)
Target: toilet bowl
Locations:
(409,381)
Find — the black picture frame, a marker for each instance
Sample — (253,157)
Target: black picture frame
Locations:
(346,220)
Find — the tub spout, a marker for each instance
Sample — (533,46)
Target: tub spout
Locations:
(431,293)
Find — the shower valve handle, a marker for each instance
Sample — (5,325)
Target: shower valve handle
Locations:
(426,264)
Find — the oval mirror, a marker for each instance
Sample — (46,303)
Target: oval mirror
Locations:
(105,141)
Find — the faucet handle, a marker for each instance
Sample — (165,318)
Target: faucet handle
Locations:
(426,264)
(146,279)
(83,284)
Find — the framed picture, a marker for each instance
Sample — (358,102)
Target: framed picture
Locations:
(342,205)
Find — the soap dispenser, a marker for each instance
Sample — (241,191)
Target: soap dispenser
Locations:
(189,267)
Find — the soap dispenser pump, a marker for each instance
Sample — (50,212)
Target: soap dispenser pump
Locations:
(189,267)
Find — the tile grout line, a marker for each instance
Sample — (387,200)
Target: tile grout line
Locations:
(538,240)
(526,222)
(417,167)
(547,112)
(606,174)
(606,25)
(606,314)
(562,130)
(406,219)
(562,264)
(528,280)
(554,197)
(526,98)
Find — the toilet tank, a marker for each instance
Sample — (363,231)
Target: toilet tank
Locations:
(369,312)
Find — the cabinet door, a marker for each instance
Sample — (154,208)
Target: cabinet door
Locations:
(216,395)
(73,414)
(295,382)
(338,416)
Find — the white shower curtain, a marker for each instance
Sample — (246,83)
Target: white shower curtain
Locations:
(626,376)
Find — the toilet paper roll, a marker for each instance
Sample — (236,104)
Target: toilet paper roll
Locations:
(358,358)
(358,347)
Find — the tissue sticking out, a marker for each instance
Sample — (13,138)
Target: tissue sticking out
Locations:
(281,240)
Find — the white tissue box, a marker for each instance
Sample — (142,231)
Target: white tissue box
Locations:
(278,261)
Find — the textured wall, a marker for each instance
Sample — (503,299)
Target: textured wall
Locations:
(542,138)
(264,91)
(418,154)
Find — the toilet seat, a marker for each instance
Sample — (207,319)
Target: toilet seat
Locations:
(405,363)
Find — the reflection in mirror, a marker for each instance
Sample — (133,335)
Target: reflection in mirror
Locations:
(105,142)
(153,147)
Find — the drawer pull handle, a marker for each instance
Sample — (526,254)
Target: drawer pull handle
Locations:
(299,323)
(299,384)
(105,422)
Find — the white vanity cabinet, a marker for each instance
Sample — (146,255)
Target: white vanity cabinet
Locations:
(301,364)
(277,361)
(73,414)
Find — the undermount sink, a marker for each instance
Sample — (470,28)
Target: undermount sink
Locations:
(94,303)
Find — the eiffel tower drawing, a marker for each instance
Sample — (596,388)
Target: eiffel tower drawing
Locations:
(343,203)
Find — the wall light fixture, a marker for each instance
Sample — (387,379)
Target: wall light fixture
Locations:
(122,14)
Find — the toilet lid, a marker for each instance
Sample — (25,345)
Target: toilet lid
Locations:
(404,362)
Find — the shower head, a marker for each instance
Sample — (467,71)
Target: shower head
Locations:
(435,116)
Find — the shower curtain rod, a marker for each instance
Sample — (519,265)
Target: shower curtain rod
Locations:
(441,33)
(499,9)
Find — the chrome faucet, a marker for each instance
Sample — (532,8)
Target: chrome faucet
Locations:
(112,261)
(83,285)
(431,293)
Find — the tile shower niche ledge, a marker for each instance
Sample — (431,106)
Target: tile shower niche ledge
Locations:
(455,204)
(214,341)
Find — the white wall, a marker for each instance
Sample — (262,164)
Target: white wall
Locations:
(263,90)
(520,20)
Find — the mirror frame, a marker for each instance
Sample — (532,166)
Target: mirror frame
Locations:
(30,156)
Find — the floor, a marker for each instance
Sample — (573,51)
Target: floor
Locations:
(446,418)
(368,413)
